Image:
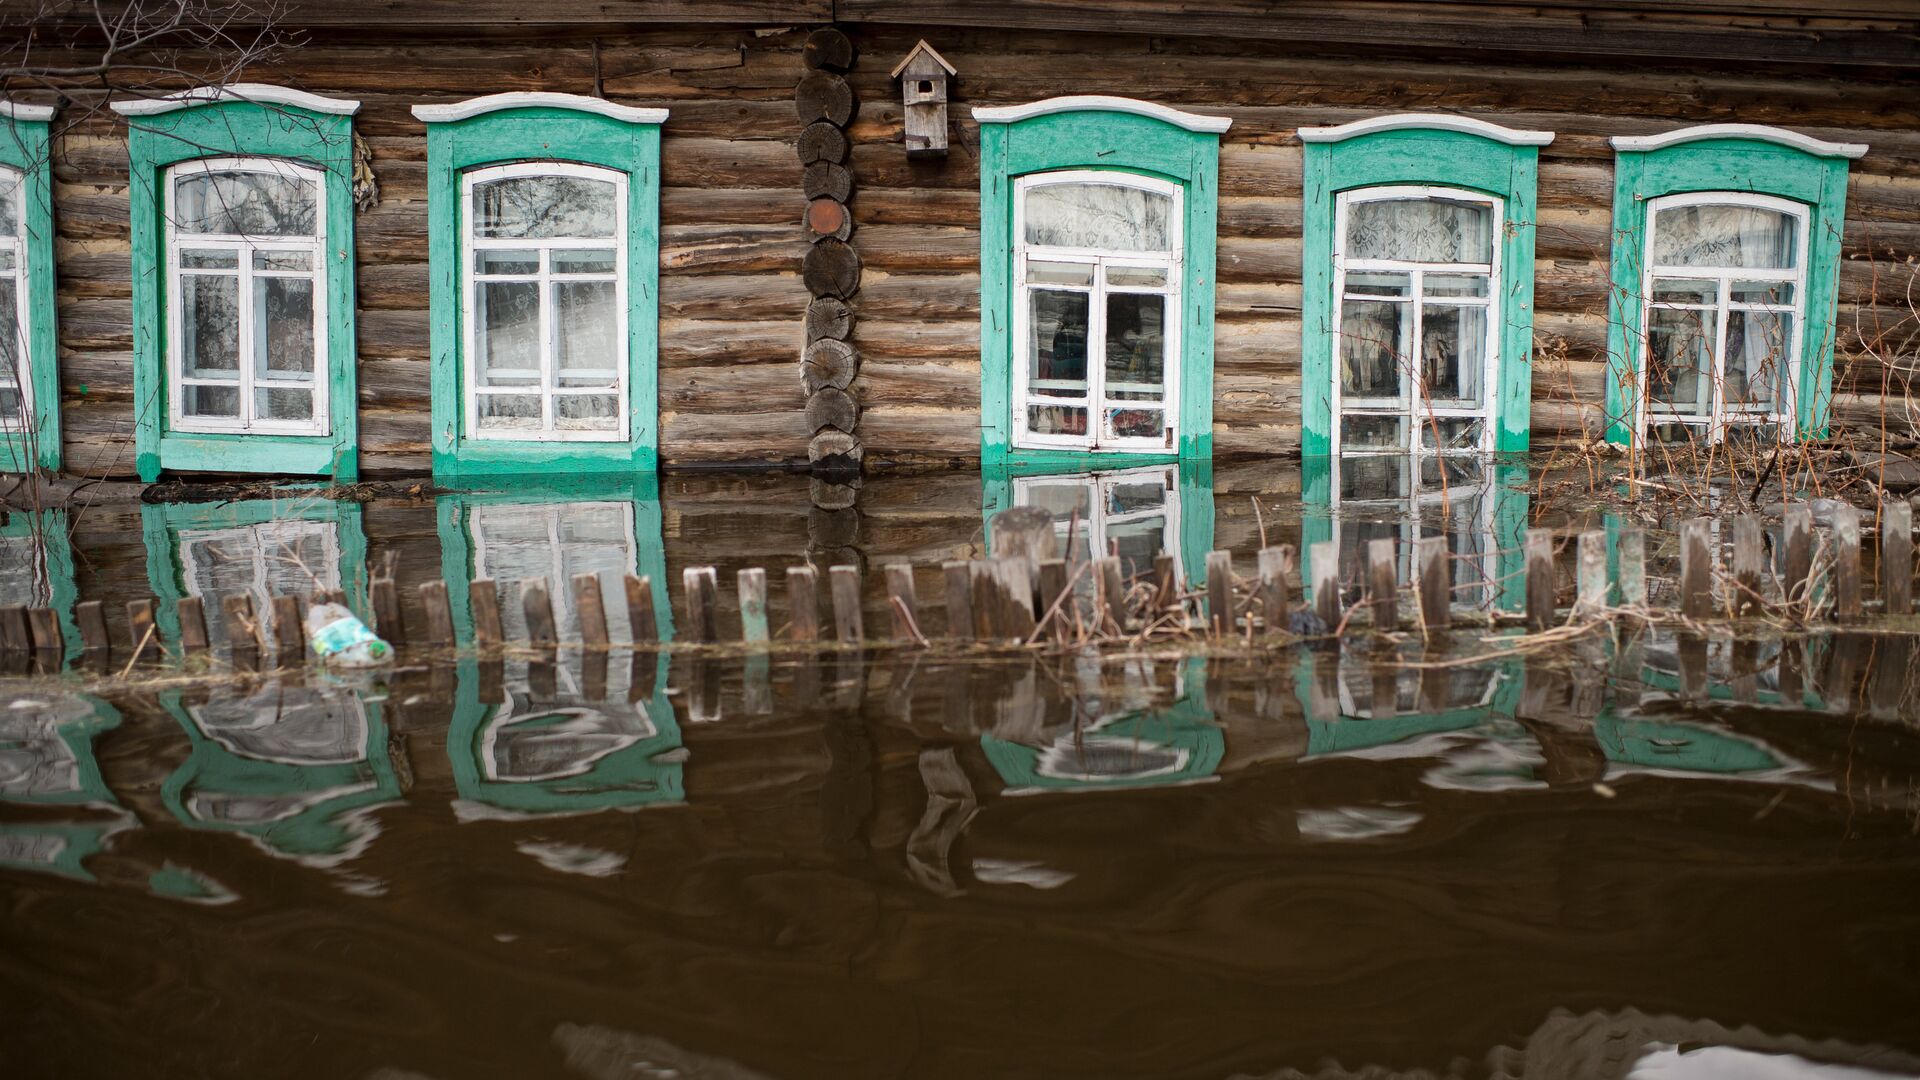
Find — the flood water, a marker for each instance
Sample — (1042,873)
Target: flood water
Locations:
(1651,857)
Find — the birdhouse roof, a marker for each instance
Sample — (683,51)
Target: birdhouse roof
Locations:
(922,47)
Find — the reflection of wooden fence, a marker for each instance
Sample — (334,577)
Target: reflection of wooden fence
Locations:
(1022,597)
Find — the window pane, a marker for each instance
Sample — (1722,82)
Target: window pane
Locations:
(586,412)
(1365,479)
(1056,420)
(1058,345)
(1734,236)
(507,324)
(1137,423)
(1685,291)
(210,259)
(301,261)
(1370,283)
(1139,543)
(1372,338)
(1104,216)
(1453,355)
(1455,285)
(1359,431)
(544,207)
(1137,277)
(1453,433)
(10,202)
(283,328)
(586,321)
(509,412)
(282,404)
(1133,496)
(1136,347)
(1763,292)
(1420,230)
(210,401)
(1759,344)
(1059,273)
(584,261)
(1680,361)
(210,326)
(248,203)
(491,261)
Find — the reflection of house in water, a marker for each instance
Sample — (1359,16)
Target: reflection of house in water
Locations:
(1477,502)
(293,767)
(1116,737)
(36,566)
(47,759)
(1136,513)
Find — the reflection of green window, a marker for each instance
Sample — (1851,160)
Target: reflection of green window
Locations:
(29,383)
(1725,273)
(46,751)
(36,567)
(1096,280)
(1417,285)
(1143,511)
(1121,747)
(1680,746)
(543,218)
(243,297)
(1343,717)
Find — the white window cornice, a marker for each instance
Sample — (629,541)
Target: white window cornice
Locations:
(1429,121)
(1007,114)
(258,93)
(1755,132)
(13,110)
(461,110)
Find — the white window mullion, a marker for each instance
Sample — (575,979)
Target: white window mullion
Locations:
(1717,422)
(1416,381)
(1097,358)
(243,256)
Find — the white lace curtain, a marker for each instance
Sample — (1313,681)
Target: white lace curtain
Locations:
(1742,237)
(1101,216)
(1420,230)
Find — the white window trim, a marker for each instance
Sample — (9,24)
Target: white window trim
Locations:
(19,325)
(1097,439)
(1719,418)
(1410,409)
(1097,521)
(314,246)
(546,391)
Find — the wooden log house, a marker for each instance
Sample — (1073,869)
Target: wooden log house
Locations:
(602,237)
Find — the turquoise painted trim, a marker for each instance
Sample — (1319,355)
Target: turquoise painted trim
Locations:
(230,128)
(162,523)
(1346,734)
(453,516)
(61,592)
(561,135)
(1193,485)
(1747,166)
(1651,743)
(78,720)
(1121,142)
(25,145)
(1186,725)
(1419,156)
(78,843)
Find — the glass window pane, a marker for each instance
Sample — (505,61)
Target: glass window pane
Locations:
(244,202)
(1763,292)
(491,261)
(1137,423)
(210,259)
(1746,237)
(210,401)
(586,412)
(1685,291)
(210,326)
(279,403)
(1449,433)
(1759,344)
(507,325)
(586,321)
(283,328)
(9,335)
(1056,420)
(509,412)
(1453,355)
(544,207)
(1133,496)
(1420,230)
(1369,479)
(1454,285)
(1137,277)
(10,202)
(1373,337)
(1107,217)
(1136,346)
(1359,431)
(1139,543)
(1680,361)
(1057,362)
(301,261)
(1371,283)
(1059,273)
(584,261)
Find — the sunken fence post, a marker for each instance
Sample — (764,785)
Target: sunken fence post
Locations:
(387,622)
(1274,563)
(92,617)
(1324,555)
(959,581)
(236,614)
(848,626)
(1633,568)
(14,635)
(142,632)
(290,635)
(640,620)
(803,603)
(1797,586)
(1383,581)
(1220,593)
(1896,556)
(591,605)
(752,584)
(1847,603)
(903,616)
(49,644)
(1696,568)
(1435,572)
(484,597)
(1590,575)
(701,584)
(1749,563)
(536,602)
(1540,580)
(193,624)
(439,612)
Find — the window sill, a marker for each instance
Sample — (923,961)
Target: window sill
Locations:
(493,458)
(301,455)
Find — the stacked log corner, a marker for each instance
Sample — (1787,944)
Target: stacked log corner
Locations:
(831,267)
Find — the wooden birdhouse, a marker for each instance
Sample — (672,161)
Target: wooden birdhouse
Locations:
(923,79)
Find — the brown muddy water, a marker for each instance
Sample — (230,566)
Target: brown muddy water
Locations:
(1650,857)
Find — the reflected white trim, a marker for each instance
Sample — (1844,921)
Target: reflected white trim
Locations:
(1434,121)
(259,93)
(529,99)
(1758,132)
(14,110)
(1007,114)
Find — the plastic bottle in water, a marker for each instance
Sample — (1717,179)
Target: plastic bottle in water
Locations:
(342,640)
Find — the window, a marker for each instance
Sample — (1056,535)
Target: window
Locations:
(246,305)
(29,385)
(1097,284)
(1415,271)
(1724,290)
(1098,260)
(1724,283)
(1136,512)
(555,541)
(264,560)
(1403,498)
(1417,286)
(546,303)
(243,282)
(545,333)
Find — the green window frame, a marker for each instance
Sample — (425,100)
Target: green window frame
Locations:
(1151,142)
(568,131)
(1453,154)
(26,150)
(1749,164)
(246,121)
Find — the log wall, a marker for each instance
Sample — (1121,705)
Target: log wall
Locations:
(732,303)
